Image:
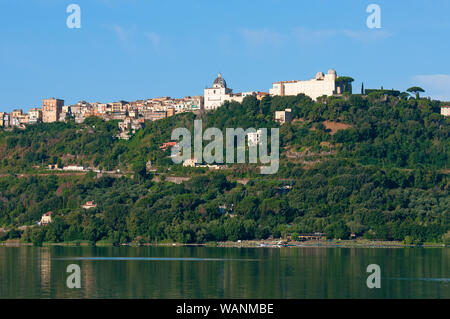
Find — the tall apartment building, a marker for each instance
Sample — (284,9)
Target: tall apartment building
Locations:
(51,109)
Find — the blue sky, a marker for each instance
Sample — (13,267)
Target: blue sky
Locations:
(132,49)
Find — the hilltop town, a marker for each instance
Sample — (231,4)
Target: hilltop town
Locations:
(373,165)
(133,115)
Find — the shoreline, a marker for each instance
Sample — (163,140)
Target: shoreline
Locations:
(243,244)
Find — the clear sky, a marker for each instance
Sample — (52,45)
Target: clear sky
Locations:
(133,49)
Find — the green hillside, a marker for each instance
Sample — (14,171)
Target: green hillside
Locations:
(376,166)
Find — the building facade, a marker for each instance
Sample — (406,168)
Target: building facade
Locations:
(254,138)
(445,110)
(282,117)
(34,115)
(51,109)
(219,93)
(322,84)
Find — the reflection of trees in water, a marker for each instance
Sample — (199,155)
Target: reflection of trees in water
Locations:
(29,272)
(45,268)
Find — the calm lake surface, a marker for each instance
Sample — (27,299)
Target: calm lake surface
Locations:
(210,272)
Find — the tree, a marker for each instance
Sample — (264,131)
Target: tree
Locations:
(416,90)
(346,83)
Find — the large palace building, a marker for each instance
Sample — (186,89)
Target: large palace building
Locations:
(322,84)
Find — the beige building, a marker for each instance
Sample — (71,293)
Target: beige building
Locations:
(283,116)
(89,205)
(51,109)
(18,118)
(445,110)
(17,113)
(117,107)
(322,84)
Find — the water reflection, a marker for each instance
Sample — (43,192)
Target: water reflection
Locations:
(202,272)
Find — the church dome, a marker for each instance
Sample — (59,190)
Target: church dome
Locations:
(220,81)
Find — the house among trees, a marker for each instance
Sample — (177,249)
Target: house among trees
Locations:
(315,236)
(46,218)
(282,117)
(445,110)
(89,205)
(165,146)
(190,162)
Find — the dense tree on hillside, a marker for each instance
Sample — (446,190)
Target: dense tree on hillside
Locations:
(374,165)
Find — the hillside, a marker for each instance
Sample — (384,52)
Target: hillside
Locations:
(374,166)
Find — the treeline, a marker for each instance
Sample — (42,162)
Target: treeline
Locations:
(333,197)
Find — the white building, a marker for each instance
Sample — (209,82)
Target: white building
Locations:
(73,168)
(34,115)
(322,84)
(445,110)
(46,218)
(254,138)
(219,93)
(191,162)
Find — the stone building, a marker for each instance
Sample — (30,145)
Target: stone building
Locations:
(322,84)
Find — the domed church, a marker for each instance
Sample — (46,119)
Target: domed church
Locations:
(219,93)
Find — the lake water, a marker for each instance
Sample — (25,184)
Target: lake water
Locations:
(210,272)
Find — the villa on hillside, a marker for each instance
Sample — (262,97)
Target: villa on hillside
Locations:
(282,117)
(445,110)
(89,205)
(46,218)
(190,162)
